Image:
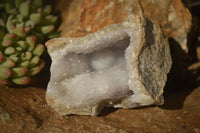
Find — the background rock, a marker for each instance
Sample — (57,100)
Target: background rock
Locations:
(83,17)
(80,18)
(172,16)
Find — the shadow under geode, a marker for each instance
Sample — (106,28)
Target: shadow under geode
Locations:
(181,82)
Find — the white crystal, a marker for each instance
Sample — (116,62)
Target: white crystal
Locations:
(102,59)
(124,65)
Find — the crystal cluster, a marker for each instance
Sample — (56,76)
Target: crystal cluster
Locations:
(123,65)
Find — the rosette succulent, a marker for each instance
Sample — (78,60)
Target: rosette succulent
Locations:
(24,26)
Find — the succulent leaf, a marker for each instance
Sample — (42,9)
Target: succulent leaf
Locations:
(39,49)
(9,25)
(4,82)
(6,43)
(26,56)
(14,58)
(22,44)
(19,71)
(25,63)
(20,25)
(53,35)
(37,3)
(24,26)
(24,8)
(36,18)
(31,41)
(51,19)
(22,80)
(47,9)
(19,49)
(35,70)
(2,24)
(18,3)
(5,72)
(20,31)
(47,29)
(19,18)
(10,36)
(30,24)
(9,51)
(13,11)
(8,62)
(34,61)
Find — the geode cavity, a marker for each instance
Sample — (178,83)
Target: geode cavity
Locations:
(123,65)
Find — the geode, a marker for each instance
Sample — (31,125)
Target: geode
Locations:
(123,65)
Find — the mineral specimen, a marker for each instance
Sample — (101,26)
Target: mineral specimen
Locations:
(123,65)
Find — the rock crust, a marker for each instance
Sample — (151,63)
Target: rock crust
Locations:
(142,61)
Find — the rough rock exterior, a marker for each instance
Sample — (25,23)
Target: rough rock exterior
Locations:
(123,65)
(83,17)
(174,19)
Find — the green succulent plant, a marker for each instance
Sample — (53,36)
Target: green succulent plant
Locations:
(24,26)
